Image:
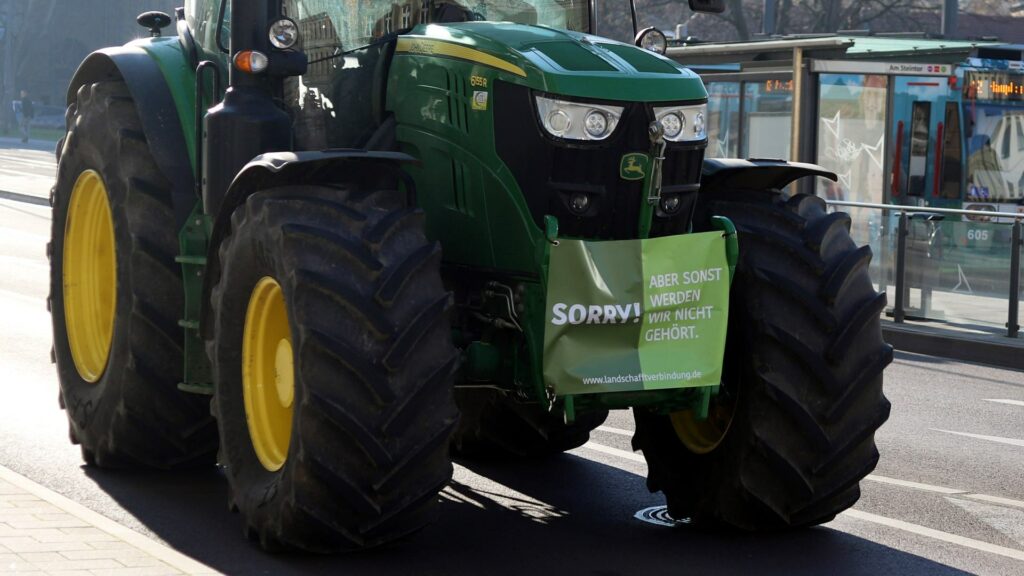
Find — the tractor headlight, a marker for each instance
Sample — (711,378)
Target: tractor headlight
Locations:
(652,39)
(284,34)
(576,120)
(683,123)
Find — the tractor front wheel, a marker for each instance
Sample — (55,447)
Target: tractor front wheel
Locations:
(791,433)
(333,365)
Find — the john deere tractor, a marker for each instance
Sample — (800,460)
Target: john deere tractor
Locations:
(327,244)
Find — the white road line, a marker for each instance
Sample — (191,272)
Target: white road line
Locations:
(1004,401)
(615,452)
(996,500)
(155,549)
(618,431)
(914,485)
(936,534)
(978,544)
(1000,439)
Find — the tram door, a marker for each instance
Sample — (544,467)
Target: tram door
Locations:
(926,164)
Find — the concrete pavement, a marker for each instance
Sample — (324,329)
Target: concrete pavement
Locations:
(42,532)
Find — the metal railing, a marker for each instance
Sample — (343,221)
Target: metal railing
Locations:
(902,231)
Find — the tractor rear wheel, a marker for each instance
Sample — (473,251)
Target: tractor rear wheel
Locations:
(116,295)
(494,426)
(333,364)
(791,434)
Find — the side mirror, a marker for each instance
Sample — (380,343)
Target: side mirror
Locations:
(716,6)
(154,21)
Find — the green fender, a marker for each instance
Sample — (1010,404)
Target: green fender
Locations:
(161,81)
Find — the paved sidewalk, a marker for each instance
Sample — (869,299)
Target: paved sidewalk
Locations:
(42,532)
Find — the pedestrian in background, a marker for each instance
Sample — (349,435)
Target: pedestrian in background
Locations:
(27,114)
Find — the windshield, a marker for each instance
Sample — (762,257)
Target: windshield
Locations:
(337,23)
(622,19)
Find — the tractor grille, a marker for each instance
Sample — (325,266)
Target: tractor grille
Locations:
(549,171)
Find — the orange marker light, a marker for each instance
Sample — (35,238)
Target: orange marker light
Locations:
(251,61)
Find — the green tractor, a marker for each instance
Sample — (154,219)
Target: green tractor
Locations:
(327,244)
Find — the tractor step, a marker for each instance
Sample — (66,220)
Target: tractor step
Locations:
(197,388)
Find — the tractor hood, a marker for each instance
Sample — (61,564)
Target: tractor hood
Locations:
(561,62)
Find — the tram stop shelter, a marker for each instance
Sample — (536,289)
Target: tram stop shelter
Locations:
(897,118)
(917,122)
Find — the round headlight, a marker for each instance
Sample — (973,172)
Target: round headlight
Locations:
(652,39)
(673,124)
(284,34)
(559,121)
(579,202)
(596,123)
(698,125)
(669,204)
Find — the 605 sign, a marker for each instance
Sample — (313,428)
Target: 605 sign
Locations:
(973,234)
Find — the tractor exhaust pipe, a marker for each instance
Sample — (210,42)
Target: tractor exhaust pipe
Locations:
(247,122)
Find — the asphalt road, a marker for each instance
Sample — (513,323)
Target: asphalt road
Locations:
(947,497)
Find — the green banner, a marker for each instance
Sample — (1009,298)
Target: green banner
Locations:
(636,314)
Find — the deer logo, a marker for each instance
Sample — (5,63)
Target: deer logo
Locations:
(634,166)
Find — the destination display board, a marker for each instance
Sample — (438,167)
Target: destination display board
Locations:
(1002,85)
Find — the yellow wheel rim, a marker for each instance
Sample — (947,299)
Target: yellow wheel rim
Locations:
(90,276)
(703,436)
(268,374)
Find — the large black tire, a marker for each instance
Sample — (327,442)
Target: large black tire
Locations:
(496,426)
(373,411)
(803,376)
(134,414)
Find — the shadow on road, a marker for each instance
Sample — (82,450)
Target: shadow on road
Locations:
(563,515)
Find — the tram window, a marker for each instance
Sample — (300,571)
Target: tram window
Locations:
(920,123)
(1020,135)
(952,152)
(1006,140)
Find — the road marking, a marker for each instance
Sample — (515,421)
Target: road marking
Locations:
(1004,519)
(155,549)
(618,431)
(1003,401)
(996,500)
(914,485)
(870,477)
(936,534)
(615,452)
(890,522)
(1000,439)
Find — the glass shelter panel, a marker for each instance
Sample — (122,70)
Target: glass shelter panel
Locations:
(851,143)
(767,119)
(723,119)
(851,136)
(958,271)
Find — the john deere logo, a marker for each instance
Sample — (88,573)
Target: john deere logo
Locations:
(634,166)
